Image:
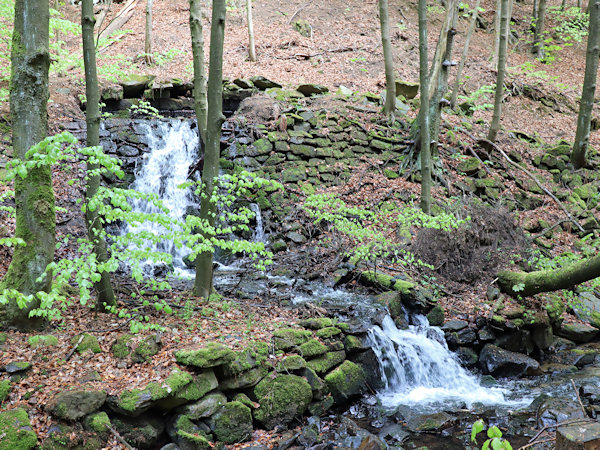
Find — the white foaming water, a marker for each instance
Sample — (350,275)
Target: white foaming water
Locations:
(173,148)
(259,232)
(417,368)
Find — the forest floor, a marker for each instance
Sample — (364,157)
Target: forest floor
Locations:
(344,50)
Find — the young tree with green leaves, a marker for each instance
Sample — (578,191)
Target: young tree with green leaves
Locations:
(94,222)
(582,136)
(204,261)
(35,215)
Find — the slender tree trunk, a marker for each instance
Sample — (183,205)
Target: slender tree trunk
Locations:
(582,136)
(388,58)
(531,283)
(563,5)
(509,15)
(495,125)
(34,196)
(106,295)
(148,45)
(538,35)
(200,101)
(463,57)
(424,111)
(204,261)
(251,47)
(497,30)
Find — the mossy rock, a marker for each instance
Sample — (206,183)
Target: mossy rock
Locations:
(329,360)
(244,399)
(146,349)
(88,342)
(205,407)
(120,348)
(16,430)
(232,423)
(346,381)
(286,338)
(407,89)
(212,354)
(469,166)
(255,354)
(73,405)
(316,323)
(291,363)
(281,399)
(4,389)
(200,385)
(243,380)
(436,316)
(187,434)
(328,332)
(41,341)
(392,300)
(311,348)
(354,344)
(98,422)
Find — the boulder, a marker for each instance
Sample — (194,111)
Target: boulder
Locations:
(142,433)
(436,316)
(205,407)
(504,363)
(134,85)
(281,399)
(578,436)
(346,381)
(554,410)
(16,431)
(430,422)
(577,332)
(263,83)
(406,88)
(232,423)
(73,405)
(326,362)
(187,434)
(309,90)
(210,355)
(587,308)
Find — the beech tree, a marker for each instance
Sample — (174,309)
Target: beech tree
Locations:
(34,197)
(148,41)
(538,31)
(251,47)
(388,58)
(582,135)
(204,261)
(495,125)
(92,118)
(200,101)
(424,111)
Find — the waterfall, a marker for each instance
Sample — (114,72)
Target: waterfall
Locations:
(417,368)
(259,232)
(172,149)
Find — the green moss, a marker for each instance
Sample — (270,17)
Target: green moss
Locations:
(199,386)
(15,430)
(88,342)
(286,338)
(316,323)
(353,344)
(291,362)
(3,338)
(189,433)
(233,423)
(326,362)
(328,332)
(281,399)
(345,381)
(42,341)
(146,349)
(176,381)
(255,354)
(312,348)
(4,389)
(210,355)
(120,348)
(98,422)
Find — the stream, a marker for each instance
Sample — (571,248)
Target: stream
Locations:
(419,375)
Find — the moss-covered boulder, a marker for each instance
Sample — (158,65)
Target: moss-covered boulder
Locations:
(212,354)
(86,342)
(317,385)
(281,399)
(73,405)
(316,323)
(286,338)
(354,344)
(328,332)
(140,432)
(392,300)
(291,363)
(254,355)
(4,389)
(15,430)
(245,379)
(232,423)
(41,341)
(436,316)
(346,381)
(313,347)
(120,347)
(146,349)
(326,362)
(205,407)
(187,434)
(97,422)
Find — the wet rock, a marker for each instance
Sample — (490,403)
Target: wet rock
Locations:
(281,399)
(577,332)
(578,436)
(556,368)
(346,381)
(486,334)
(455,325)
(579,357)
(73,405)
(393,433)
(558,409)
(587,308)
(516,341)
(465,336)
(368,361)
(430,422)
(436,316)
(467,356)
(503,363)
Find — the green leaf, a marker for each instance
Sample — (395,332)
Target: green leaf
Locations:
(494,432)
(476,428)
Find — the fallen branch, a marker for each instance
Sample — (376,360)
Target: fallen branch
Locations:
(536,443)
(298,11)
(120,19)
(578,398)
(119,438)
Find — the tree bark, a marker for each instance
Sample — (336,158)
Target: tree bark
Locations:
(424,111)
(251,47)
(148,44)
(495,125)
(200,101)
(106,295)
(36,220)
(204,262)
(388,58)
(497,31)
(463,57)
(531,283)
(538,35)
(582,135)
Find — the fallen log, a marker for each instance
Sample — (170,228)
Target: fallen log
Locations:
(526,284)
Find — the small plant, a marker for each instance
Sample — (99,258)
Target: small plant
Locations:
(144,109)
(495,440)
(479,99)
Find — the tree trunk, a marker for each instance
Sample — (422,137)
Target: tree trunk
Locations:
(495,125)
(582,136)
(388,58)
(204,261)
(94,222)
(251,47)
(463,57)
(497,32)
(531,283)
(538,35)
(200,101)
(424,111)
(36,220)
(148,45)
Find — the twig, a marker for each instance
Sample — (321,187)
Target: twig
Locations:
(119,438)
(556,425)
(480,160)
(75,347)
(298,11)
(543,232)
(536,443)
(528,173)
(578,398)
